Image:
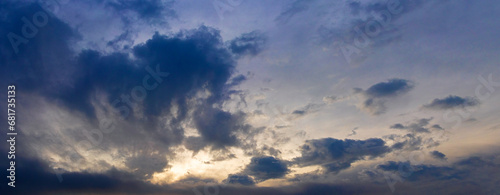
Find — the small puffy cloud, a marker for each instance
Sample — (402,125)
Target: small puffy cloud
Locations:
(308,109)
(437,127)
(418,126)
(438,155)
(266,167)
(398,126)
(451,102)
(248,44)
(411,142)
(239,179)
(335,155)
(299,112)
(376,96)
(393,87)
(353,132)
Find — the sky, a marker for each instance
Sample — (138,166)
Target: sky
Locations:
(282,97)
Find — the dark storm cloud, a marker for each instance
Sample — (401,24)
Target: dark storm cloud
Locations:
(438,155)
(451,102)
(218,128)
(171,69)
(141,167)
(266,167)
(181,65)
(237,80)
(377,95)
(122,41)
(34,57)
(35,177)
(194,60)
(335,155)
(251,43)
(471,176)
(463,177)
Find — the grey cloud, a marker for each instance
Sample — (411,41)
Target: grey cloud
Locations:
(251,43)
(150,10)
(272,151)
(294,8)
(438,155)
(451,102)
(418,137)
(398,126)
(266,167)
(379,94)
(355,7)
(463,177)
(471,175)
(237,80)
(123,41)
(191,181)
(335,155)
(239,179)
(219,128)
(365,14)
(83,84)
(416,127)
(332,99)
(409,142)
(391,88)
(353,132)
(144,164)
(299,112)
(305,110)
(39,64)
(437,127)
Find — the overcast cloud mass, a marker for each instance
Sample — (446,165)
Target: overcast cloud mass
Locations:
(282,97)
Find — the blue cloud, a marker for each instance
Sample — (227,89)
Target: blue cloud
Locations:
(248,44)
(393,87)
(266,167)
(416,127)
(145,9)
(239,179)
(438,155)
(335,155)
(377,95)
(451,102)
